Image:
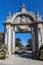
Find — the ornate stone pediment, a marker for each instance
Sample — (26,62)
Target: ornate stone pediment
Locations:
(23,19)
(23,16)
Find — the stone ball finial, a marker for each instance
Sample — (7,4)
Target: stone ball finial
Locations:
(23,8)
(23,5)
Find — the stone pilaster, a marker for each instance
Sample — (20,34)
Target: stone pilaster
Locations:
(33,43)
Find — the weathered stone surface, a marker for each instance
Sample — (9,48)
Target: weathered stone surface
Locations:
(24,21)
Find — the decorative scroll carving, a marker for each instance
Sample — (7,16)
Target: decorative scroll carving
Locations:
(23,28)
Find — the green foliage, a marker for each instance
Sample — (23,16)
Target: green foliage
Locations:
(3,51)
(18,43)
(18,39)
(29,43)
(40,53)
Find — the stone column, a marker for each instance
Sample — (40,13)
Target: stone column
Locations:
(13,43)
(9,41)
(33,43)
(39,39)
(42,34)
(6,42)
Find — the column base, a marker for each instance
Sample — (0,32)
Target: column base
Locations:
(35,55)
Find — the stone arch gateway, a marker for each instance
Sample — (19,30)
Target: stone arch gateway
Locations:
(24,21)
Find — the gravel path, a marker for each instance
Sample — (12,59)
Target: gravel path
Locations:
(20,59)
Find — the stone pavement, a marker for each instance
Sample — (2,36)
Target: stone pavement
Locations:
(21,59)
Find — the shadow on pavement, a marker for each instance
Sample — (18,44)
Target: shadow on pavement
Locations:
(25,55)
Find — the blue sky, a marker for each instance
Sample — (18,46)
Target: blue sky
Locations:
(14,6)
(24,37)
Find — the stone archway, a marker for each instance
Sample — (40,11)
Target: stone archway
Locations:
(24,21)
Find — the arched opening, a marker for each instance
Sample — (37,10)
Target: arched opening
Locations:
(23,44)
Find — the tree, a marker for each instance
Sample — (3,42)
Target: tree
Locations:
(29,43)
(18,43)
